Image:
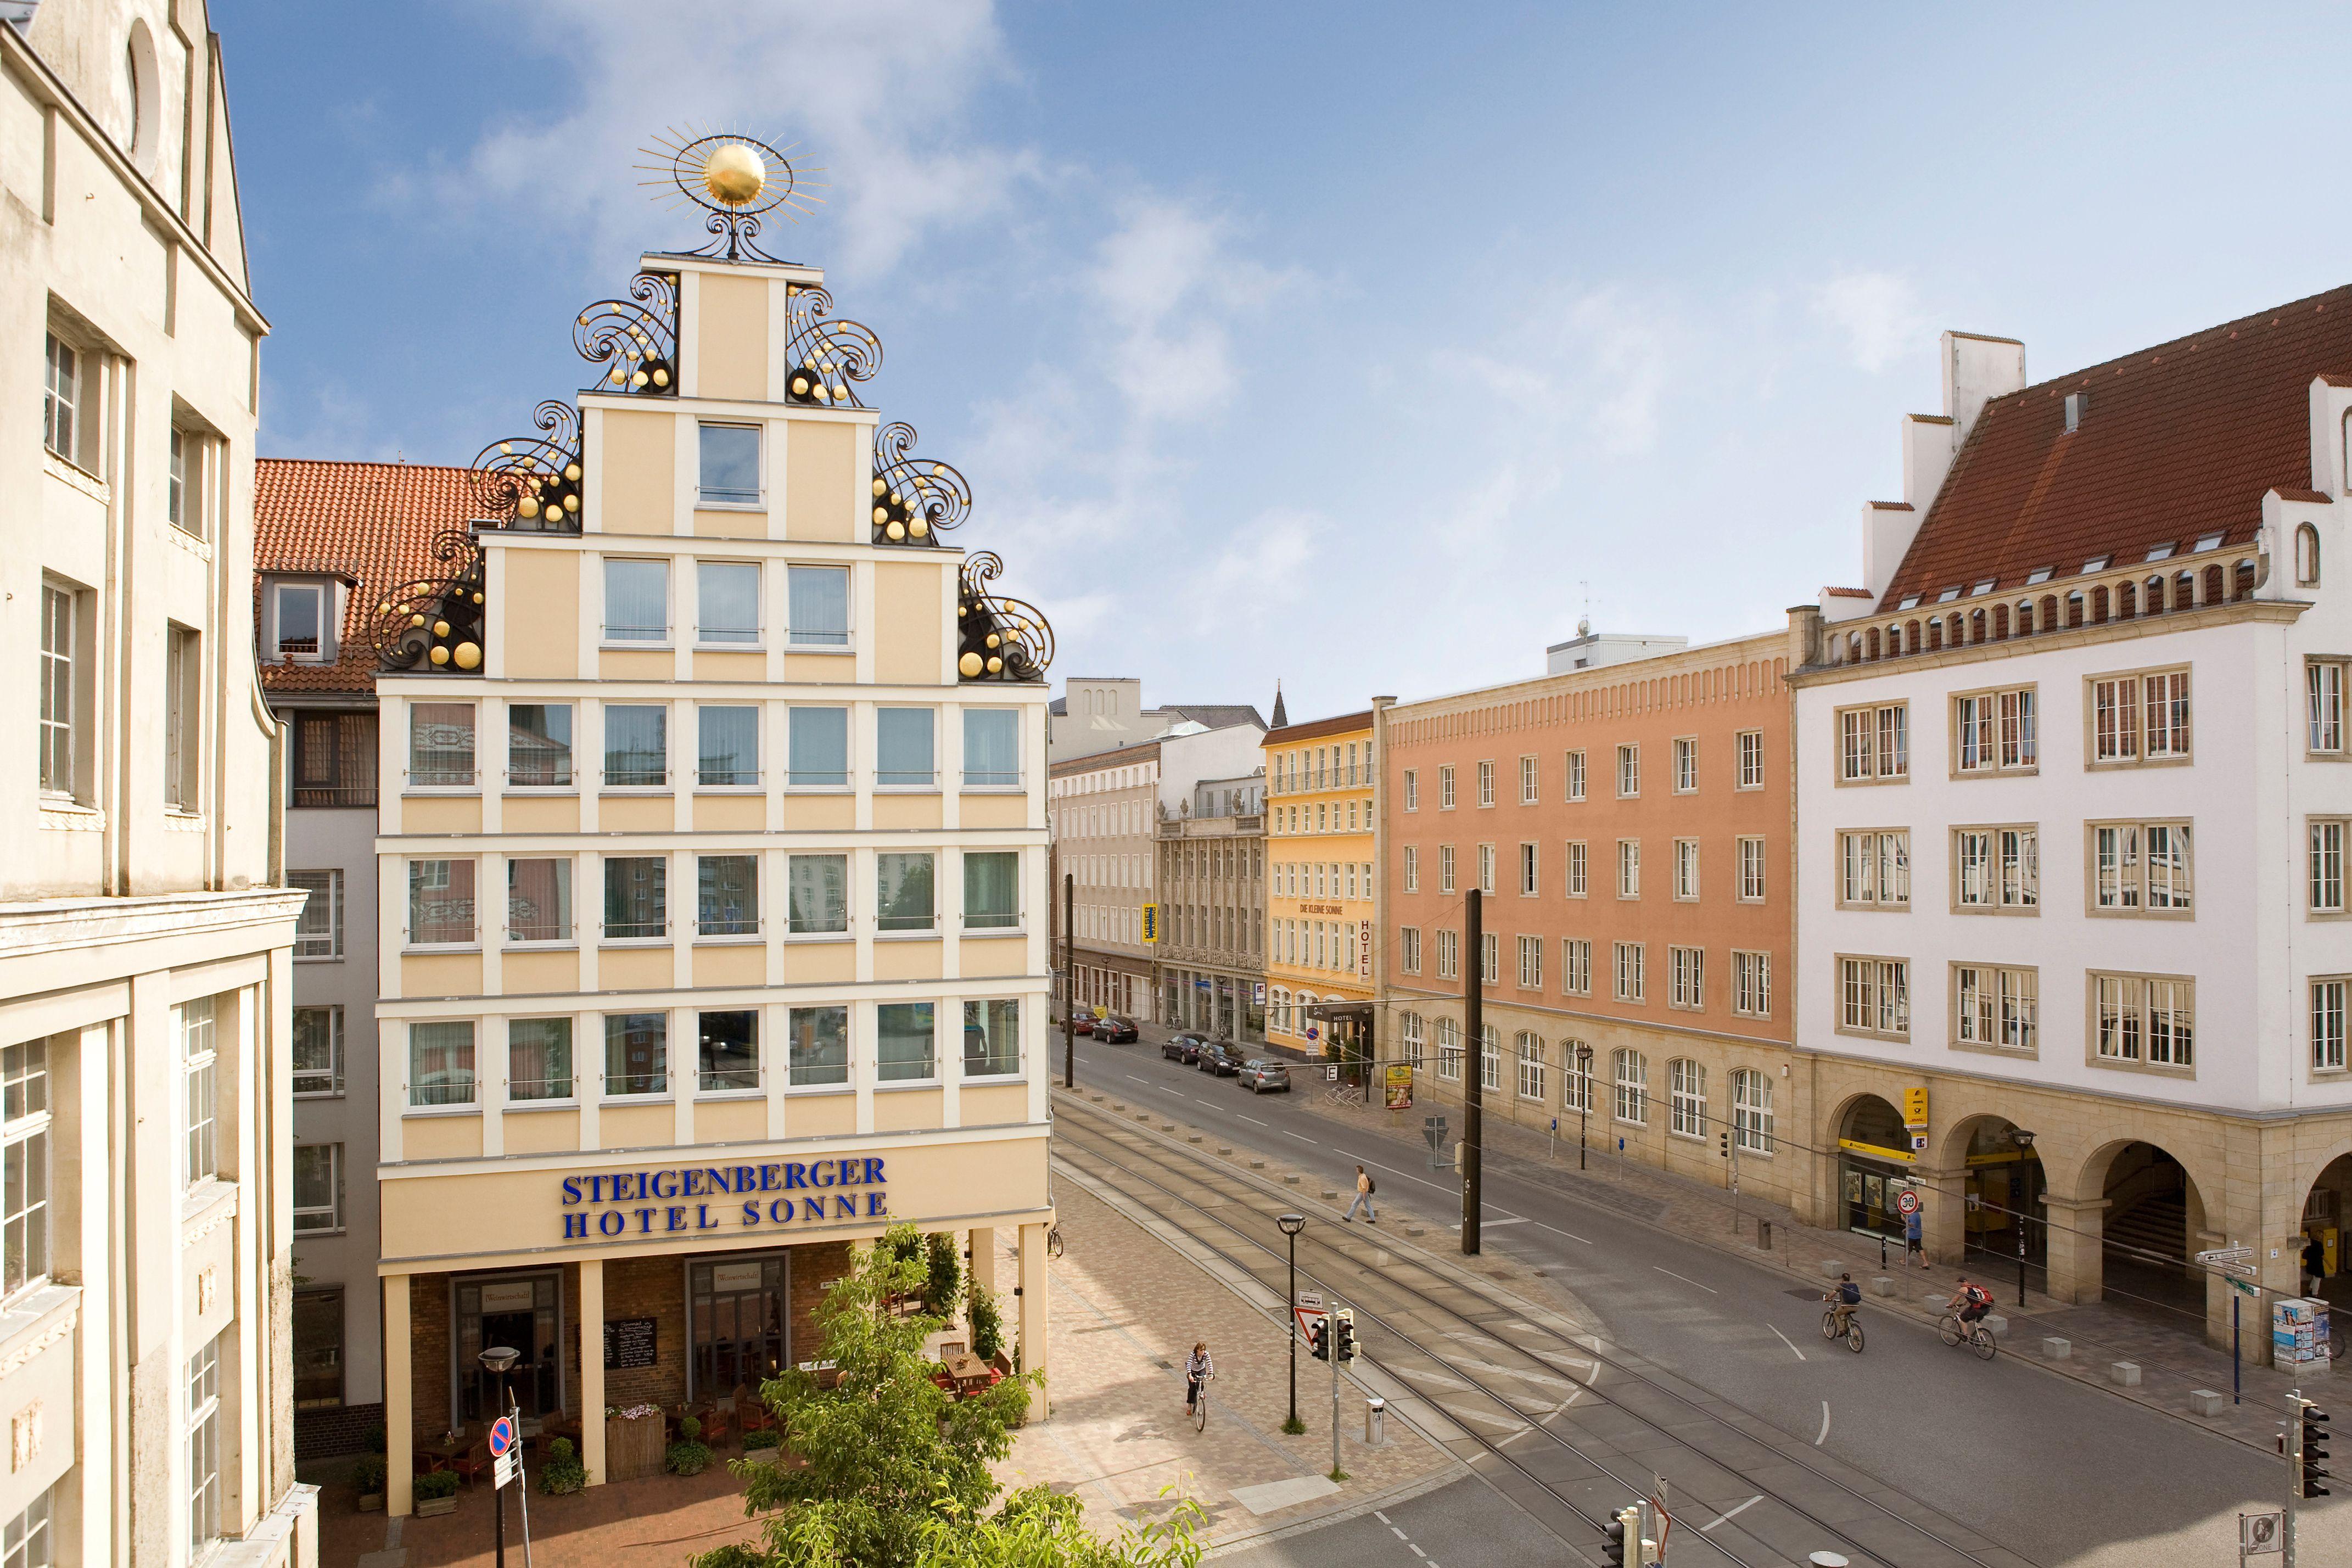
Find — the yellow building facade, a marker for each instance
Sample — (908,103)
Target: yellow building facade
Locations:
(1321,916)
(712,857)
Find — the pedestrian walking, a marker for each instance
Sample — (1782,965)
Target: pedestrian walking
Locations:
(1363,1199)
(2314,1265)
(1914,1243)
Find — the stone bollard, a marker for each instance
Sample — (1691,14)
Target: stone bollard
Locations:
(1226,1149)
(1415,1230)
(2205,1402)
(1257,1164)
(1880,1285)
(2055,1349)
(1290,1180)
(1997,1326)
(1331,1196)
(1168,1127)
(1143,1116)
(2124,1373)
(1119,1105)
(1192,1138)
(1832,1268)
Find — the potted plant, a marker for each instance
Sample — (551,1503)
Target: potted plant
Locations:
(988,1331)
(942,1276)
(564,1473)
(367,1475)
(761,1437)
(689,1456)
(633,1441)
(437,1493)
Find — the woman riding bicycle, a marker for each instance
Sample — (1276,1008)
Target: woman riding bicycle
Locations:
(1198,1369)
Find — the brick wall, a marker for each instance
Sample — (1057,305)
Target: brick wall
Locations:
(647,1287)
(814,1268)
(428,1352)
(329,1432)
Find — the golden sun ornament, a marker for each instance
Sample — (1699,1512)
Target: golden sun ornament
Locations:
(734,178)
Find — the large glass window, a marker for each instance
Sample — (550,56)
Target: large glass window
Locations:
(818,602)
(903,892)
(539,1058)
(730,464)
(636,896)
(539,745)
(636,1053)
(200,1061)
(61,398)
(539,900)
(318,1187)
(816,890)
(57,691)
(24,1166)
(204,1472)
(727,895)
(819,748)
(441,1064)
(441,746)
(1632,1077)
(440,902)
(905,1041)
(319,933)
(1752,1111)
(992,747)
(636,745)
(727,596)
(991,890)
(636,601)
(302,616)
(729,751)
(317,1356)
(182,716)
(729,1051)
(318,1050)
(902,748)
(816,1046)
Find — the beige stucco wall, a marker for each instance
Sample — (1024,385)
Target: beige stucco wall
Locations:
(824,492)
(732,346)
(637,473)
(539,612)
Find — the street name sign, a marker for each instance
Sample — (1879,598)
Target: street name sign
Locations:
(503,1469)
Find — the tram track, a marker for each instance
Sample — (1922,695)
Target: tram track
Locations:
(1497,1357)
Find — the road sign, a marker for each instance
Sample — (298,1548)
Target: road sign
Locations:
(2259,1535)
(503,1469)
(1907,1201)
(1311,1298)
(2226,1254)
(1307,1318)
(2245,1287)
(502,1436)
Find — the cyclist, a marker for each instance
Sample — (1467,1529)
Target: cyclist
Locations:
(1847,1296)
(1970,1301)
(1198,1369)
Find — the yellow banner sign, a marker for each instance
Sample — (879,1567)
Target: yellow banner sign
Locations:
(1400,1087)
(1150,922)
(1915,1108)
(1875,1152)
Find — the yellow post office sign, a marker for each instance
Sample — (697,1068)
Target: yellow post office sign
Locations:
(1152,922)
(1915,1107)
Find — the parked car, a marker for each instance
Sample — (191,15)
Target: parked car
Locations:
(1222,1058)
(1084,1024)
(1264,1075)
(1116,1031)
(1184,1048)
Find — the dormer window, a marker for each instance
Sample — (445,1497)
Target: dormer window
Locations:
(2097,562)
(2162,553)
(2208,541)
(1983,587)
(1947,595)
(1909,603)
(299,623)
(2039,575)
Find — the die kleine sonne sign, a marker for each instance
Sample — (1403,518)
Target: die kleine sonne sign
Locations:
(639,1202)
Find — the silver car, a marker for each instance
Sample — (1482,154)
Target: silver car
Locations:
(1262,1075)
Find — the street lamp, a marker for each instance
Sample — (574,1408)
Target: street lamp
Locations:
(2025,1141)
(499,1360)
(1584,1101)
(1292,1224)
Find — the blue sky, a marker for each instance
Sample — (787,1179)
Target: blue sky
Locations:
(1343,343)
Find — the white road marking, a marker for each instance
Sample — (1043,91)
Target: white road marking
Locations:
(1132,1078)
(1726,1513)
(1480,1417)
(1253,1121)
(1793,1347)
(1392,1529)
(1417,1551)
(1686,1279)
(1591,1368)
(1825,1425)
(1518,1372)
(1286,1132)
(1557,1231)
(1382,1517)
(1506,1219)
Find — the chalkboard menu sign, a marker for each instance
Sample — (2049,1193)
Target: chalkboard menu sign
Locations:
(628,1343)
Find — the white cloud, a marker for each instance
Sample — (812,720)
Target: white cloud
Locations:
(1878,312)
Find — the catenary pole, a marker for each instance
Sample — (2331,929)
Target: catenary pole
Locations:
(1473,1081)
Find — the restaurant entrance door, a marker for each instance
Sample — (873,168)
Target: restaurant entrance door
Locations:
(736,1319)
(524,1312)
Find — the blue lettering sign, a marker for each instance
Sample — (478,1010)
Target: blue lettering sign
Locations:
(601,1192)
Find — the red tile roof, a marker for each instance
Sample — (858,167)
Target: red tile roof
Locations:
(2176,442)
(1847,593)
(1314,728)
(372,524)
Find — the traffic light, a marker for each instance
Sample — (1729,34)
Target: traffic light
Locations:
(1319,1344)
(1623,1527)
(1723,1145)
(2315,1439)
(1346,1339)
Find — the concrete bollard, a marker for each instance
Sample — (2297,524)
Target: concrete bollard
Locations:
(1832,1268)
(1257,1164)
(1192,1138)
(1143,1116)
(2055,1349)
(2205,1402)
(1415,1230)
(1331,1196)
(2124,1373)
(1119,1105)
(1226,1149)
(1997,1326)
(1880,1285)
(1168,1127)
(1290,1180)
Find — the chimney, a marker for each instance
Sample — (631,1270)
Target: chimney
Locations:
(2075,403)
(1975,370)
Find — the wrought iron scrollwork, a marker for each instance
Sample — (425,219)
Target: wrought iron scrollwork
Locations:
(998,638)
(435,622)
(533,482)
(634,341)
(823,356)
(914,497)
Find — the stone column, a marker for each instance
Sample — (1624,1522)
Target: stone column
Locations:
(2077,1270)
(1943,1220)
(399,1401)
(983,1260)
(1033,1305)
(591,1368)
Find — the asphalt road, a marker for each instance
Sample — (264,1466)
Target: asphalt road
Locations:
(2049,1468)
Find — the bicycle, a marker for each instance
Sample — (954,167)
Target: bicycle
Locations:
(1201,1402)
(1054,1240)
(1979,1337)
(1853,1331)
(1344,1096)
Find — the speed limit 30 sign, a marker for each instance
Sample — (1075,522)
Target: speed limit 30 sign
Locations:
(1907,1201)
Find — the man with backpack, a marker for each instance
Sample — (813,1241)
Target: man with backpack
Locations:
(1846,1297)
(1970,1301)
(1363,1198)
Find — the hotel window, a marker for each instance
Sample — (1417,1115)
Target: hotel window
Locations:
(727,753)
(1445,787)
(2145,1020)
(2322,689)
(1528,868)
(1996,1006)
(1414,1040)
(57,693)
(1528,785)
(1631,983)
(539,1058)
(203,1474)
(992,748)
(539,745)
(1412,789)
(992,1039)
(1874,869)
(1752,1111)
(1449,955)
(730,475)
(300,616)
(1875,997)
(318,1358)
(441,746)
(727,603)
(636,601)
(1490,958)
(1575,1075)
(2326,895)
(538,899)
(1486,869)
(318,1050)
(440,1064)
(1687,978)
(1449,1050)
(1633,1079)
(1751,870)
(2139,718)
(1629,771)
(1529,1050)
(441,904)
(1574,768)
(1490,1059)
(1576,966)
(636,897)
(2327,1000)
(318,1187)
(902,748)
(991,890)
(1485,784)
(1993,732)
(319,933)
(903,900)
(1752,984)
(1751,759)
(636,1053)
(1408,949)
(182,716)
(1412,869)
(727,895)
(904,1042)
(1685,869)
(818,605)
(1873,744)
(816,1047)
(1629,867)
(62,426)
(1446,868)
(25,1541)
(24,1167)
(1531,962)
(1686,1097)
(2140,869)
(1576,868)
(818,749)
(727,1050)
(1685,765)
(636,745)
(1996,869)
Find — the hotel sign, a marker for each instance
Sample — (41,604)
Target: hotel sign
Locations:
(723,1197)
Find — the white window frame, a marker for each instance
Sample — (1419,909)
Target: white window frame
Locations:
(26,1220)
(2134,1022)
(1686,871)
(1630,960)
(1751,1111)
(1629,771)
(1996,1007)
(1445,787)
(1751,760)
(1874,743)
(311,944)
(333,1211)
(1629,867)
(1528,1050)
(2324,842)
(1486,784)
(1629,1079)
(1685,764)
(1751,869)
(1995,731)
(322,601)
(1575,770)
(1869,860)
(1578,868)
(2133,872)
(1530,782)
(1686,1097)
(1576,966)
(1751,984)
(333,1087)
(1873,996)
(1531,962)
(197,1025)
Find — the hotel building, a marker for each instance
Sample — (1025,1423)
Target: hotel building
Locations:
(1321,783)
(146,1242)
(712,857)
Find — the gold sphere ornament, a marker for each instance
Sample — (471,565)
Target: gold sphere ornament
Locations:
(734,175)
(383,606)
(478,598)
(661,378)
(468,655)
(800,386)
(527,506)
(640,379)
(440,628)
(416,620)
(897,530)
(881,514)
(572,470)
(918,527)
(880,486)
(994,665)
(440,655)
(970,665)
(992,639)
